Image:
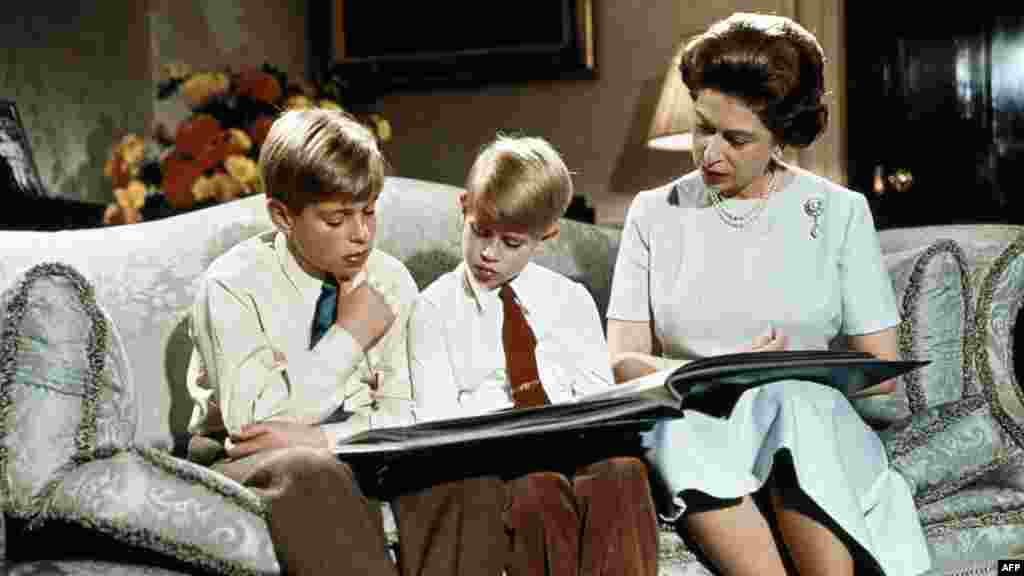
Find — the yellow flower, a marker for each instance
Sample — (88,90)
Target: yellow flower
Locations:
(201,88)
(132,149)
(226,188)
(381,126)
(176,70)
(240,141)
(245,171)
(132,196)
(330,105)
(298,102)
(203,188)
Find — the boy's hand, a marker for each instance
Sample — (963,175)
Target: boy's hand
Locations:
(365,315)
(262,436)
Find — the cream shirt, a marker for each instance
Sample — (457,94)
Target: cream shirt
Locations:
(251,326)
(456,356)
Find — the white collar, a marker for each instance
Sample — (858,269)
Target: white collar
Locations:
(308,286)
(484,298)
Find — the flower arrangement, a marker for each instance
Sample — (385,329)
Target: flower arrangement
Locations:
(211,156)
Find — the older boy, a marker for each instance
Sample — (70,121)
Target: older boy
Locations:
(300,336)
(501,332)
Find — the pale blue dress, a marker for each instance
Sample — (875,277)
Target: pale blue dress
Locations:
(810,266)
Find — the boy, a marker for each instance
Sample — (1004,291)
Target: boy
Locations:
(500,332)
(300,336)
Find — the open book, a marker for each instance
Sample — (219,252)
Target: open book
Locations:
(711,385)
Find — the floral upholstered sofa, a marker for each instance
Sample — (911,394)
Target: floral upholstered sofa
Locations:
(94,347)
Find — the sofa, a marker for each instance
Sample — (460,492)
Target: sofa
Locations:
(93,408)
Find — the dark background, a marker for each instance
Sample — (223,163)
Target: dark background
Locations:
(941,96)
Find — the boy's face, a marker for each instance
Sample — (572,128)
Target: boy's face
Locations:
(330,237)
(494,252)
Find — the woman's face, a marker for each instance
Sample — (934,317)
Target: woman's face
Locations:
(731,146)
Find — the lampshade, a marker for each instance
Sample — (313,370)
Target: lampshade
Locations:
(673,118)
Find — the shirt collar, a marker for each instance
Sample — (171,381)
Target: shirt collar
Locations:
(484,299)
(308,286)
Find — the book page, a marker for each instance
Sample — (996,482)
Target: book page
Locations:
(652,384)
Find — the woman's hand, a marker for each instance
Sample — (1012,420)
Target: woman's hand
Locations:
(772,340)
(253,438)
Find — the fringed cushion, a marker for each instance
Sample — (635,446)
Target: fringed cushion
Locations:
(65,388)
(933,290)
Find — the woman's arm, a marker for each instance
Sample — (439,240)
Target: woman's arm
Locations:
(881,344)
(631,347)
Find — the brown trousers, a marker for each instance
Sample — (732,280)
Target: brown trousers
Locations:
(600,522)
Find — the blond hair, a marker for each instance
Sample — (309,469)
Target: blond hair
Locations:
(313,153)
(520,181)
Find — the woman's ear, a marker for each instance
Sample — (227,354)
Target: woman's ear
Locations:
(280,215)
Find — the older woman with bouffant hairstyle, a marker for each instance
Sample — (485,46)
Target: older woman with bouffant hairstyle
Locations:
(746,254)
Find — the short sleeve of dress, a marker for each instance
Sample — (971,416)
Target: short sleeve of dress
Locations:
(868,302)
(630,294)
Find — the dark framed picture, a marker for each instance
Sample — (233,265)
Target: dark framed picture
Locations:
(18,169)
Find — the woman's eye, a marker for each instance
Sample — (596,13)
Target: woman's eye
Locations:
(513,243)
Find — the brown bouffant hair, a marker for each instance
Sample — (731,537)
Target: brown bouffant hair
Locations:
(520,181)
(772,64)
(314,153)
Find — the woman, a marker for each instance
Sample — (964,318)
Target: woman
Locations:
(749,253)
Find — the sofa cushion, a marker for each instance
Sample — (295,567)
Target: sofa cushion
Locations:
(944,448)
(65,390)
(933,290)
(975,524)
(1001,296)
(147,499)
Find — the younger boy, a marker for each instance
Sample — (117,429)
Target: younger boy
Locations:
(500,332)
(300,337)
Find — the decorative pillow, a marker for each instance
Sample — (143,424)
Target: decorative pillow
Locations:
(148,499)
(65,388)
(933,291)
(999,304)
(944,448)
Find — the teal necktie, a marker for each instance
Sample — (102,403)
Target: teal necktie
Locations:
(326,313)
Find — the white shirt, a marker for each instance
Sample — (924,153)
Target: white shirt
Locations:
(251,324)
(456,355)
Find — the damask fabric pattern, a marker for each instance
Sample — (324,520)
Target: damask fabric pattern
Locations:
(980,522)
(946,447)
(60,358)
(937,308)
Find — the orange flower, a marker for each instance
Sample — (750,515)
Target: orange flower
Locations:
(194,134)
(258,85)
(132,196)
(125,160)
(259,128)
(179,176)
(201,88)
(215,151)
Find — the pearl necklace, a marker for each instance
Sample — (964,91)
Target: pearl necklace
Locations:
(741,220)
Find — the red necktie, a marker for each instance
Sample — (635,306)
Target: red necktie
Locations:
(520,361)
